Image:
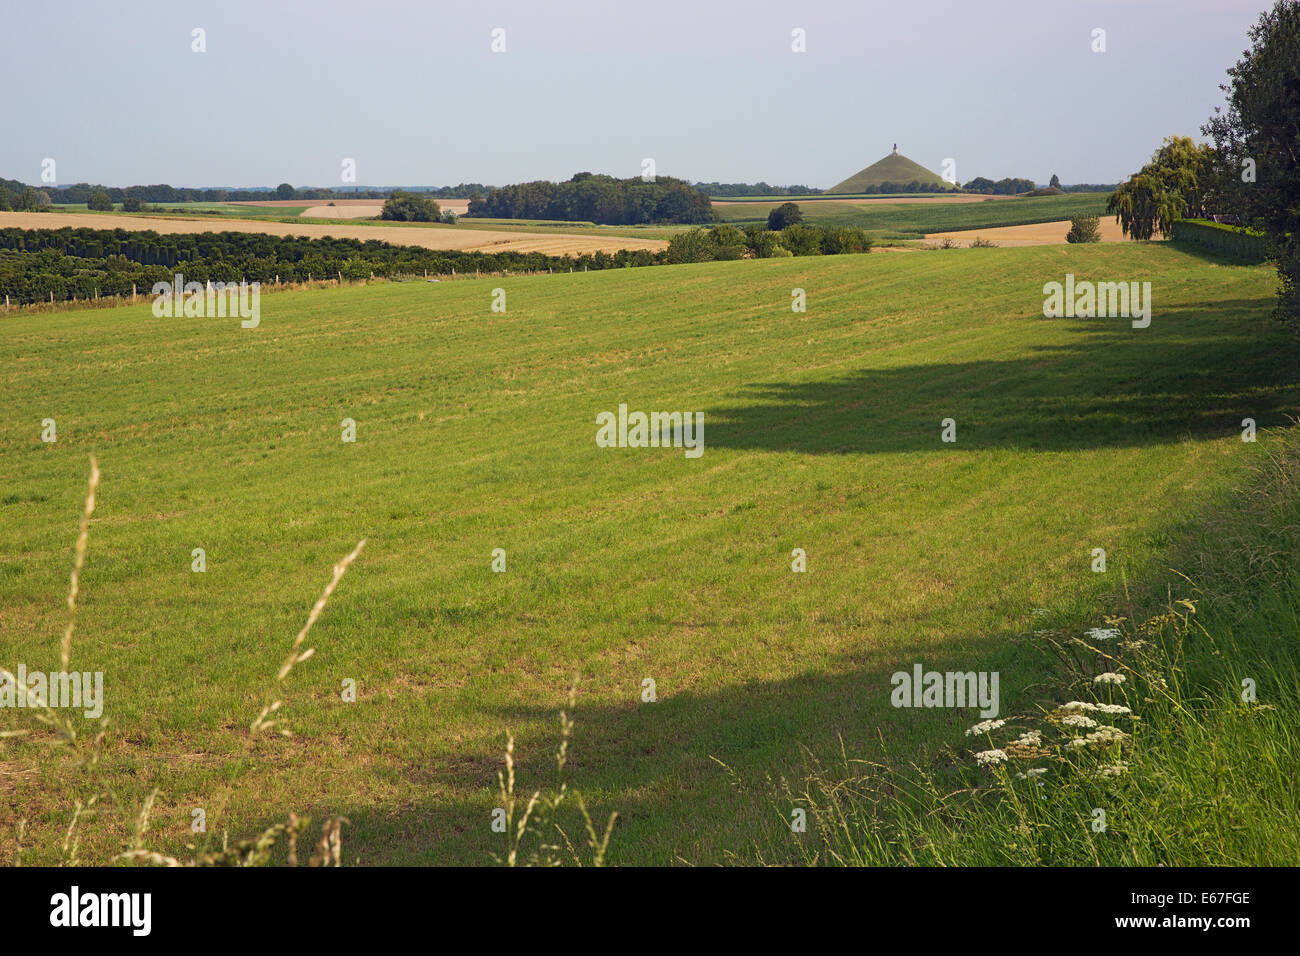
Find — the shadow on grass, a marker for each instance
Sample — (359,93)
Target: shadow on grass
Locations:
(660,764)
(1187,376)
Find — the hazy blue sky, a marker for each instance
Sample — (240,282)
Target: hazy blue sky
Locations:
(711,90)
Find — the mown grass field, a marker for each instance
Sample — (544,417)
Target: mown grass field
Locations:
(914,220)
(475,430)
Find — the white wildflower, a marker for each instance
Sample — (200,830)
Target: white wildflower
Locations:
(1103,633)
(984,727)
(1030,738)
(1110,677)
(1113,709)
(1078,720)
(1077,705)
(990,758)
(1107,735)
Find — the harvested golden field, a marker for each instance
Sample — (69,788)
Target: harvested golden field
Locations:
(1036,234)
(427,237)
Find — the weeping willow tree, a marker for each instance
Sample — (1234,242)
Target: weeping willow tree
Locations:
(1174,185)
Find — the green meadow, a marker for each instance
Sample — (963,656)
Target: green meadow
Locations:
(475,430)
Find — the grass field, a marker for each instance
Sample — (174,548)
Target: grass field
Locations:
(475,430)
(914,220)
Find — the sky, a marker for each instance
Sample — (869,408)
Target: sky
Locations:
(711,90)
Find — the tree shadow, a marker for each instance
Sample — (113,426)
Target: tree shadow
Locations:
(696,775)
(1115,386)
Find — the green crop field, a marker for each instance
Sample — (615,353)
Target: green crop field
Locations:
(475,430)
(914,220)
(215,209)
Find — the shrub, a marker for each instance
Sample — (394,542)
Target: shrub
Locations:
(693,245)
(1084,229)
(980,242)
(133,204)
(837,240)
(801,240)
(100,201)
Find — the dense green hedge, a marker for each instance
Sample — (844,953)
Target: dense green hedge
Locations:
(81,263)
(1229,241)
(36,264)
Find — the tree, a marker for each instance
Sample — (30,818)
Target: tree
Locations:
(1055,181)
(284,191)
(786,214)
(5,202)
(1176,184)
(33,200)
(100,201)
(1256,149)
(403,206)
(132,204)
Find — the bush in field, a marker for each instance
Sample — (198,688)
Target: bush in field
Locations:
(979,242)
(1084,229)
(761,242)
(690,246)
(838,240)
(403,206)
(802,240)
(133,204)
(449,217)
(786,214)
(100,201)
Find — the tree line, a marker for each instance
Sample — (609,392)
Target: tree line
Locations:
(81,263)
(1002,187)
(728,242)
(83,192)
(588,197)
(724,190)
